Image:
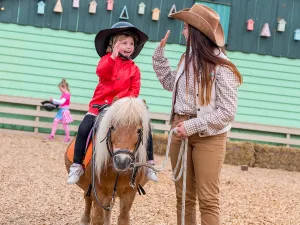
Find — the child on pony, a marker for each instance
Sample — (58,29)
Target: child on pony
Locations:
(119,77)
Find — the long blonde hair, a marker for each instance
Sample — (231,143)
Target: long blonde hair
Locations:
(204,62)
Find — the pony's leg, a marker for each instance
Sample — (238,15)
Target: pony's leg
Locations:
(99,215)
(107,216)
(86,217)
(126,201)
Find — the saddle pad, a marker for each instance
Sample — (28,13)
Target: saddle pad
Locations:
(88,154)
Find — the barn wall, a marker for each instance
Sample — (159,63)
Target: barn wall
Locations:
(34,60)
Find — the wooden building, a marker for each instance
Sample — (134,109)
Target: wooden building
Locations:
(37,50)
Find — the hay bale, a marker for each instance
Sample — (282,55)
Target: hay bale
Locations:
(237,153)
(248,153)
(277,157)
(160,142)
(240,153)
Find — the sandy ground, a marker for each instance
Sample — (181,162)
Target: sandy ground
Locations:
(33,190)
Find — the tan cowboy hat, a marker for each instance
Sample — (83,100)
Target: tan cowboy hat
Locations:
(204,19)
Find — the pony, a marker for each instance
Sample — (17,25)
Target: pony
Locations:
(120,142)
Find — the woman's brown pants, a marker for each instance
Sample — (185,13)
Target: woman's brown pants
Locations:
(204,162)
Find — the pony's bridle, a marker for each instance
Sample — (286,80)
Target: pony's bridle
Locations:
(109,144)
(127,152)
(113,154)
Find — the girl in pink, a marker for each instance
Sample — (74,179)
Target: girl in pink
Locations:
(63,115)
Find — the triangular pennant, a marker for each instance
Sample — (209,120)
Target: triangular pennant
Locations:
(173,9)
(124,14)
(58,7)
(265,32)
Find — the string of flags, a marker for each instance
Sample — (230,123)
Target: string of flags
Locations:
(265,32)
(58,8)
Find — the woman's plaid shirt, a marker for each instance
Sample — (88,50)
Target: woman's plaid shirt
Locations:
(210,123)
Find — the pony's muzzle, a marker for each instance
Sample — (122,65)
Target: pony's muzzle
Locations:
(122,162)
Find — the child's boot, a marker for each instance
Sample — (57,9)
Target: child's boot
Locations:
(151,175)
(76,171)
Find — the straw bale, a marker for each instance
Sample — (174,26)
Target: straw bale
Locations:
(240,153)
(277,157)
(160,142)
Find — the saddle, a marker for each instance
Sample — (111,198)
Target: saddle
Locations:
(88,153)
(89,144)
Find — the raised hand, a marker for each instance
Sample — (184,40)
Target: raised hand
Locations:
(116,50)
(163,41)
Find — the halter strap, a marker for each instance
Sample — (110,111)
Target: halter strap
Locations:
(109,144)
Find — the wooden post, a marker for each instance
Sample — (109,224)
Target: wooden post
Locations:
(37,119)
(288,137)
(167,123)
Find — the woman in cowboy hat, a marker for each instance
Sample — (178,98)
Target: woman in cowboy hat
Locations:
(205,87)
(119,77)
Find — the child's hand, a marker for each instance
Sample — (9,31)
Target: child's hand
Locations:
(51,99)
(163,42)
(116,50)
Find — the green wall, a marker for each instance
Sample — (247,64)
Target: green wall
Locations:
(33,61)
(265,11)
(24,12)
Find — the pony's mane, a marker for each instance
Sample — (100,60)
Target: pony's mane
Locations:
(123,113)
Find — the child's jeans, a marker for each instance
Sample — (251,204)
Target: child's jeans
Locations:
(82,135)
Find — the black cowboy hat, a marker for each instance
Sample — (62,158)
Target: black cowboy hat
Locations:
(103,37)
(49,106)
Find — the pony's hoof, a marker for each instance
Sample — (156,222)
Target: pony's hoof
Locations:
(84,222)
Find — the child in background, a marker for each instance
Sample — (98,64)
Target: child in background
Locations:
(63,115)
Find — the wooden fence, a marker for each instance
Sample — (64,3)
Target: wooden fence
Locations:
(159,122)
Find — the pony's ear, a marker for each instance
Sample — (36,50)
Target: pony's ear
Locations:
(116,98)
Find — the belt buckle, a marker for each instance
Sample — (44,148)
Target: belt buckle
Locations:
(191,117)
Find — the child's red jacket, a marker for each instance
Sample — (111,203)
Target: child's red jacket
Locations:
(117,78)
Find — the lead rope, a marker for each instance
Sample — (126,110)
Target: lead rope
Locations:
(112,202)
(182,156)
